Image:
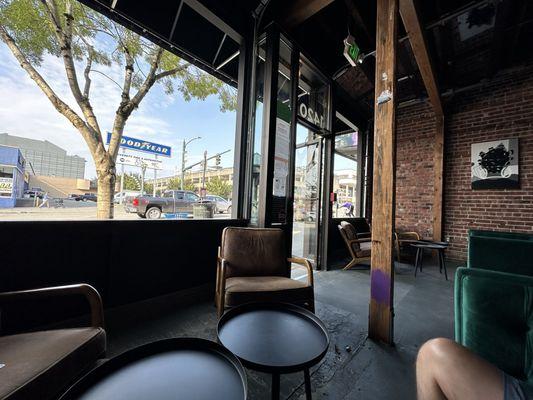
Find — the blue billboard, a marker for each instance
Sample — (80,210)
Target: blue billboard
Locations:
(142,145)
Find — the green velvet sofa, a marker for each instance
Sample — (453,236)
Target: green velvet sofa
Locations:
(494,318)
(501,251)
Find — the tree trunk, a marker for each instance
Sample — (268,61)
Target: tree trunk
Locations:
(106,190)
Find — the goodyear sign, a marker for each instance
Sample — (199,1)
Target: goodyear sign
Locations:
(142,145)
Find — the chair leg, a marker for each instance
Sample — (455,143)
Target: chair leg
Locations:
(220,304)
(417,259)
(350,264)
(443,263)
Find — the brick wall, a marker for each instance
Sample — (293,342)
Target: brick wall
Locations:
(501,109)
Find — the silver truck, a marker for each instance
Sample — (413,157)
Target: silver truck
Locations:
(172,201)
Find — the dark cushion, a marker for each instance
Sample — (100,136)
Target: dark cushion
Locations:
(254,252)
(494,318)
(266,289)
(39,365)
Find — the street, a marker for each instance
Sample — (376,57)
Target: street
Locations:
(73,210)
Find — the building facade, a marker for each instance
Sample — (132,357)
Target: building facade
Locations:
(12,165)
(45,158)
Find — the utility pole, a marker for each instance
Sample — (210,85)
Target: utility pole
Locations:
(183,153)
(205,169)
(143,171)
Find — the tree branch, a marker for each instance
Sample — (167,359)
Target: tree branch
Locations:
(171,72)
(64,37)
(86,73)
(90,136)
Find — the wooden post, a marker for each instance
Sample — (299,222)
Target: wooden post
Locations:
(380,325)
(438,169)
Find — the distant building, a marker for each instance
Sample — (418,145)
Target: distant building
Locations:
(45,158)
(11,176)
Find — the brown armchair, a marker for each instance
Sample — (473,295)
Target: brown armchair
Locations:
(252,267)
(403,239)
(358,245)
(40,364)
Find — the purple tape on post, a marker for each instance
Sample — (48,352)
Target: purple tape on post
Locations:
(380,287)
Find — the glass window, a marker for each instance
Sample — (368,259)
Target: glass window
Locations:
(283,129)
(191,197)
(313,96)
(166,135)
(345,179)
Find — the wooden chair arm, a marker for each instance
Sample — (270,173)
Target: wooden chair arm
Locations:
(307,264)
(90,293)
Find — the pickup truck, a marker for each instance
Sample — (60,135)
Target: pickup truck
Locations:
(172,201)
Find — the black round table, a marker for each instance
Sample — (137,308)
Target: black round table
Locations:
(275,338)
(182,368)
(421,245)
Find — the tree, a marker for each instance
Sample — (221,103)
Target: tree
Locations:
(175,184)
(219,187)
(76,34)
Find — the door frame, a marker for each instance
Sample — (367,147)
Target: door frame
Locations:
(319,141)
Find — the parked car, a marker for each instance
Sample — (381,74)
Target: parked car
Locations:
(172,201)
(128,204)
(34,192)
(221,204)
(86,197)
(121,197)
(73,196)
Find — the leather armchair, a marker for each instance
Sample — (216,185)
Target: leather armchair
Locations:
(358,243)
(40,364)
(252,267)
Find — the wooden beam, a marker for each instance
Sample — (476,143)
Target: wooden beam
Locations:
(420,50)
(301,10)
(380,322)
(438,170)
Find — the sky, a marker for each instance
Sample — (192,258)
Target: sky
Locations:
(161,118)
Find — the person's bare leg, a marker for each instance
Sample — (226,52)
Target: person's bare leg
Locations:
(447,370)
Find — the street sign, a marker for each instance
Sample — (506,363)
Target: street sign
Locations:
(6,185)
(142,145)
(139,161)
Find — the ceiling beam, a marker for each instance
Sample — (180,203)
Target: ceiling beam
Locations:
(301,10)
(420,50)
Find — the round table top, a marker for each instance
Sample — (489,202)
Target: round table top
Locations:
(274,337)
(181,368)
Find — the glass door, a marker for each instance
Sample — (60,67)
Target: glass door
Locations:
(307,178)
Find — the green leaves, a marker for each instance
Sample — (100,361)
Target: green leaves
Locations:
(218,187)
(27,23)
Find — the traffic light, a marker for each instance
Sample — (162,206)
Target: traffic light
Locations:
(217,160)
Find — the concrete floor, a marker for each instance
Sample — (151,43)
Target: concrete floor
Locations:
(355,367)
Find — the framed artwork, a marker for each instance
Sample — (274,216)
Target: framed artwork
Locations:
(495,164)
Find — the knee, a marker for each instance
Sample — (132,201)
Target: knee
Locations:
(435,351)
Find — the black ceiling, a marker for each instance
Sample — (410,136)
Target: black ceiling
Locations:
(468,41)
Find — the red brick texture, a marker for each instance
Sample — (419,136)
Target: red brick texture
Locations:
(500,109)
